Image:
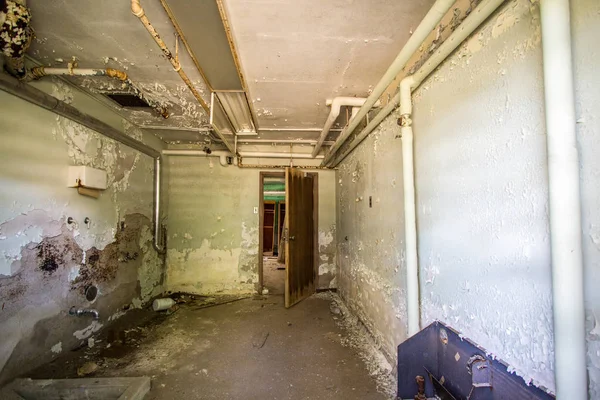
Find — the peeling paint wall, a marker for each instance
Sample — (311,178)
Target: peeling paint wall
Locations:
(370,237)
(482,198)
(46,264)
(213,231)
(586,31)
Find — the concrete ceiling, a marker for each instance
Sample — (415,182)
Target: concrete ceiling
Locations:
(294,55)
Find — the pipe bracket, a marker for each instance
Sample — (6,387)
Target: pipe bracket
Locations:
(405,120)
(115,73)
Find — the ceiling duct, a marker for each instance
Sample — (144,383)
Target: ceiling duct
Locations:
(128,100)
(218,117)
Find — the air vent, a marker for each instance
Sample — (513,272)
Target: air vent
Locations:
(128,100)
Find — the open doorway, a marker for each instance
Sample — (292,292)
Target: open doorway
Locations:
(288,226)
(272,218)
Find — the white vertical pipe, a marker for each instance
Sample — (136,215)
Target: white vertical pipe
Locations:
(410,215)
(410,233)
(158,237)
(564,198)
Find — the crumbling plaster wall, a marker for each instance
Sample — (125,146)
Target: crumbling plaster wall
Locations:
(213,231)
(45,263)
(482,198)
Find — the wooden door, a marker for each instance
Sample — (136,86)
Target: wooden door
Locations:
(300,274)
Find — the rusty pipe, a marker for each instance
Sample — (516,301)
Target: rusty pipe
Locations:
(138,11)
(41,71)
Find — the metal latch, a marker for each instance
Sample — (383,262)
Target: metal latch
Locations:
(481,371)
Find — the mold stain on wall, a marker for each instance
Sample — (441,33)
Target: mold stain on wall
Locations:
(46,264)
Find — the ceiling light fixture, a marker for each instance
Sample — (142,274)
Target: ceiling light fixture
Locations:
(231,113)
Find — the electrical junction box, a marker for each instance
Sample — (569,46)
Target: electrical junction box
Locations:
(88,177)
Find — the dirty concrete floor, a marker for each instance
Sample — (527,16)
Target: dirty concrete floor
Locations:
(273,278)
(252,349)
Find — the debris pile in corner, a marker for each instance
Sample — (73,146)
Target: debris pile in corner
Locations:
(358,338)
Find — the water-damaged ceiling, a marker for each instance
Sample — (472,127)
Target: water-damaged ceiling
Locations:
(101,34)
(293,55)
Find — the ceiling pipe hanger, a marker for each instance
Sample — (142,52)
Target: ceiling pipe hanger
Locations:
(336,104)
(431,20)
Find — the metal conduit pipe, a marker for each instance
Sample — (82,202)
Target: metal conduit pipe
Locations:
(138,11)
(35,96)
(565,203)
(433,17)
(336,106)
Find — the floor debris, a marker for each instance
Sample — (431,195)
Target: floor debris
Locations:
(87,369)
(260,339)
(249,348)
(359,338)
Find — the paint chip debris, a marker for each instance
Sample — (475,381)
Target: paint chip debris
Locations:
(57,348)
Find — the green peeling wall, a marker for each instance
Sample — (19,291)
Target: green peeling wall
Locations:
(213,230)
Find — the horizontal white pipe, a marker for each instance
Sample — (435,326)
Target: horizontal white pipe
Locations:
(74,71)
(201,153)
(565,203)
(276,155)
(336,105)
(275,193)
(296,129)
(41,71)
(433,17)
(217,153)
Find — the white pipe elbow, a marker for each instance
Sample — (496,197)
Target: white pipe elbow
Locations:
(223,160)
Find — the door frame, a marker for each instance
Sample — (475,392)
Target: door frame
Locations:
(261,210)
